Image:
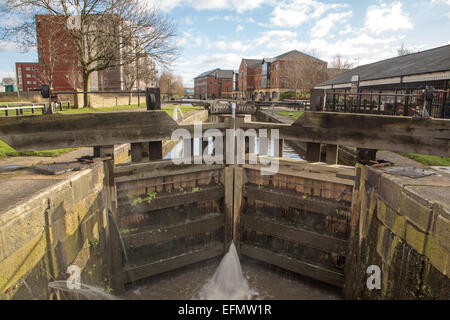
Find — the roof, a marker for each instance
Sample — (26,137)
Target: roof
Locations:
(428,61)
(219,72)
(252,63)
(228,74)
(206,73)
(284,55)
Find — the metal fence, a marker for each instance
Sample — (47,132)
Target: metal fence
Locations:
(409,103)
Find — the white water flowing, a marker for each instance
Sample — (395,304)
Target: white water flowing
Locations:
(228,282)
(85,291)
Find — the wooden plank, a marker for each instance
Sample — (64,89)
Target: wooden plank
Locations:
(237,205)
(296,165)
(283,198)
(332,153)
(400,134)
(229,206)
(313,152)
(264,125)
(300,235)
(85,130)
(297,266)
(146,237)
(158,168)
(136,152)
(155,150)
(172,263)
(324,176)
(172,200)
(205,126)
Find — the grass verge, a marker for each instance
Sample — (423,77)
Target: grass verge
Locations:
(295,114)
(428,160)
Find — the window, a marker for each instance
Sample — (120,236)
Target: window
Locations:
(33,68)
(28,82)
(34,82)
(27,68)
(28,76)
(33,75)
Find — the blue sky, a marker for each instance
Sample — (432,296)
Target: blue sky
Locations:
(218,33)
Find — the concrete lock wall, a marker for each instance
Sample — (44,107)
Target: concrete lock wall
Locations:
(64,224)
(401,225)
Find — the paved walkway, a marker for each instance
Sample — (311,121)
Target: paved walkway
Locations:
(31,161)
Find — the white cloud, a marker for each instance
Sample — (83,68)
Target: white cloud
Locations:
(239,28)
(7,45)
(231,45)
(387,17)
(293,13)
(189,20)
(275,37)
(7,74)
(239,6)
(213,18)
(447,2)
(323,26)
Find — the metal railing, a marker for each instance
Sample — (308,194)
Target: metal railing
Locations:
(435,105)
(20,108)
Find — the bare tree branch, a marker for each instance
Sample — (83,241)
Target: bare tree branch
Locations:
(110,33)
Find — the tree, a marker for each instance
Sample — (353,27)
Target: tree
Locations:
(53,54)
(138,73)
(301,74)
(106,33)
(340,63)
(403,51)
(8,81)
(171,85)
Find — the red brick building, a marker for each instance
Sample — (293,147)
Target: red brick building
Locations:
(57,53)
(248,77)
(58,57)
(28,77)
(213,84)
(269,77)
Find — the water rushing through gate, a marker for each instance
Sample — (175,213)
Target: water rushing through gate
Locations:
(228,282)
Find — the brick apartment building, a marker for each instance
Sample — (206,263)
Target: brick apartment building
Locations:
(213,84)
(248,75)
(267,78)
(57,49)
(28,76)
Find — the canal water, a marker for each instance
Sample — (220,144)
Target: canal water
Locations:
(264,282)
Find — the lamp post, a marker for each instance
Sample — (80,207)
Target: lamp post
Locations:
(168,89)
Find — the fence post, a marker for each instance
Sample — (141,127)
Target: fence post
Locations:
(153,102)
(312,151)
(406,107)
(444,100)
(332,154)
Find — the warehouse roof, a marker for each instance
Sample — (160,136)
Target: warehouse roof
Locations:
(428,61)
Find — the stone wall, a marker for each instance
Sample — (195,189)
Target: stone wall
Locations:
(401,225)
(33,96)
(61,225)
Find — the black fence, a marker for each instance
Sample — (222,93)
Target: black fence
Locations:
(436,104)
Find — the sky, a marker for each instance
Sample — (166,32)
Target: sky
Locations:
(219,33)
